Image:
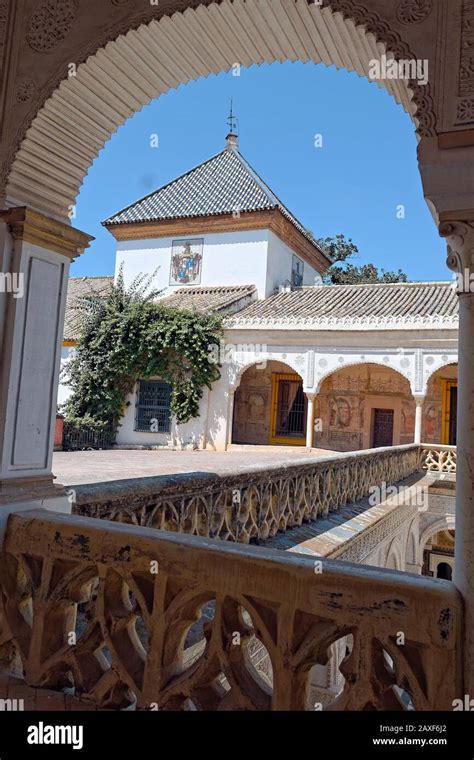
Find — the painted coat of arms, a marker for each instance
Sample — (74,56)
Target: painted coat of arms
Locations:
(186,262)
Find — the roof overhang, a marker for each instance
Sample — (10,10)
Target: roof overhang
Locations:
(272,219)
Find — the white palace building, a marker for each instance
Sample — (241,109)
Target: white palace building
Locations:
(335,367)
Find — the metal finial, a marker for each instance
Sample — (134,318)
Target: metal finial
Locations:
(231,121)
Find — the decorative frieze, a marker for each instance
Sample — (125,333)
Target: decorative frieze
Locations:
(465,105)
(430,322)
(414,11)
(50,24)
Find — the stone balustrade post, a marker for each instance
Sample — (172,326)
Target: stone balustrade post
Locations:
(460,237)
(36,253)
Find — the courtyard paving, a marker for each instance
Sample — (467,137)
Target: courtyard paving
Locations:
(78,467)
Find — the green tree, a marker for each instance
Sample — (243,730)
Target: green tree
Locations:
(126,335)
(339,249)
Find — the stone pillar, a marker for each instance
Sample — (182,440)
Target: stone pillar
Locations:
(230,416)
(36,256)
(460,237)
(310,420)
(418,417)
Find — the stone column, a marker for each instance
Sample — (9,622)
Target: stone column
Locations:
(310,420)
(418,417)
(37,252)
(460,237)
(230,416)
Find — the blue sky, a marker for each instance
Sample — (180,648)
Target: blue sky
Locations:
(354,184)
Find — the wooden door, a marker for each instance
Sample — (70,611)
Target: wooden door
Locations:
(382,428)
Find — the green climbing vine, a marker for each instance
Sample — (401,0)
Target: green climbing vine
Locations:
(126,335)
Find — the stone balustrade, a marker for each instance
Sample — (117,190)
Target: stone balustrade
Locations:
(107,612)
(250,506)
(437,458)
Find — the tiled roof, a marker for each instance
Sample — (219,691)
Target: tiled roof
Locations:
(224,299)
(224,184)
(78,287)
(345,306)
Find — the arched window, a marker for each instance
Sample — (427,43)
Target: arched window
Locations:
(444,571)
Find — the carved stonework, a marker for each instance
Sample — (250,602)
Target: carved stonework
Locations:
(414,11)
(50,24)
(466,73)
(465,107)
(269,501)
(460,239)
(364,544)
(425,111)
(25,90)
(465,111)
(135,626)
(3,24)
(440,458)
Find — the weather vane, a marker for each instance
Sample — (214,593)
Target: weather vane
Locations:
(232,121)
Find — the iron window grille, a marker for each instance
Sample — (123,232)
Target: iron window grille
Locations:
(152,409)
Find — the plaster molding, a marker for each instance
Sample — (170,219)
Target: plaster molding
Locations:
(460,238)
(432,322)
(36,228)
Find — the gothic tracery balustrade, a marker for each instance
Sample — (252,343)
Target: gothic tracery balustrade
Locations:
(439,458)
(251,506)
(105,611)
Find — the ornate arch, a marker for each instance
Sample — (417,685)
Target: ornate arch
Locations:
(44,111)
(242,369)
(447,522)
(412,544)
(394,553)
(362,364)
(453,363)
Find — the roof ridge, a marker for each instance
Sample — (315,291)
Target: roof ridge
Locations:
(377,284)
(93,277)
(194,288)
(274,198)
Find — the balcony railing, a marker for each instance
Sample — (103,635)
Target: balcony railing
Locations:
(110,612)
(438,458)
(250,506)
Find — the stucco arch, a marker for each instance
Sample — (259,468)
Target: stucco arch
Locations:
(411,551)
(453,363)
(376,361)
(132,60)
(447,522)
(255,401)
(241,369)
(394,559)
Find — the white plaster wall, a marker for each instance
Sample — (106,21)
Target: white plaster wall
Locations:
(280,259)
(64,391)
(189,435)
(232,258)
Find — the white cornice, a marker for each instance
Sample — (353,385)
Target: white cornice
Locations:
(432,322)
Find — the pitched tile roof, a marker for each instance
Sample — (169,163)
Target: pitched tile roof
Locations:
(78,287)
(223,299)
(223,184)
(380,306)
